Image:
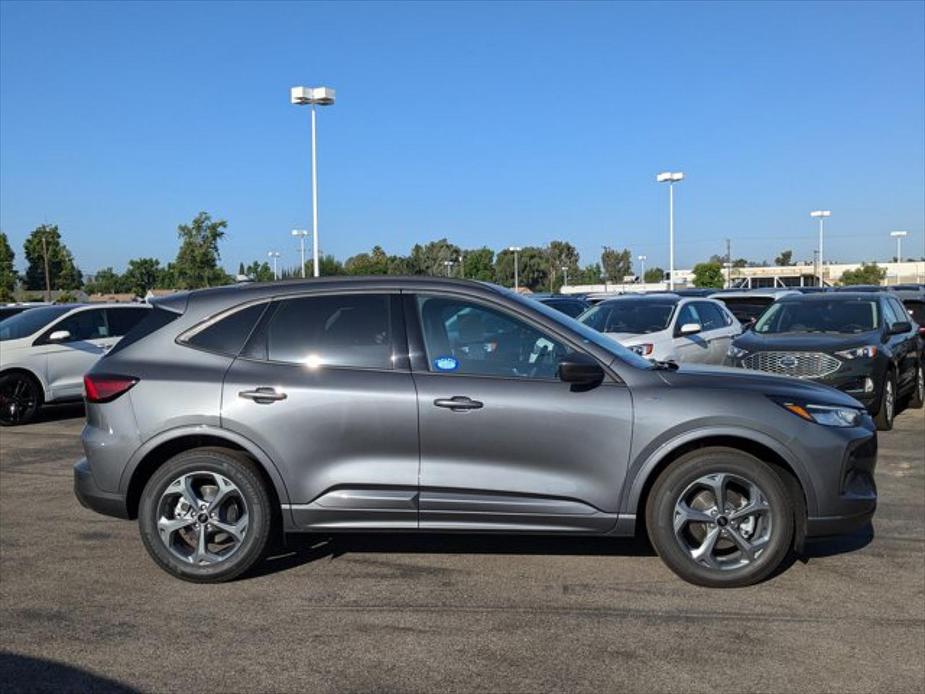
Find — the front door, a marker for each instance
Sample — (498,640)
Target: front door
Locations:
(505,445)
(694,348)
(323,387)
(69,359)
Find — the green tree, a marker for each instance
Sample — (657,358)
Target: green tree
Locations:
(44,244)
(106,281)
(785,258)
(589,274)
(197,260)
(654,274)
(259,271)
(562,254)
(617,264)
(430,259)
(708,275)
(532,266)
(141,275)
(328,266)
(376,262)
(241,270)
(7,269)
(479,264)
(866,274)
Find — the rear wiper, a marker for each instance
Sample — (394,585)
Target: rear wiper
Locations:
(665,365)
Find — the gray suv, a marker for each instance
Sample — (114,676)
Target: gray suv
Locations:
(234,414)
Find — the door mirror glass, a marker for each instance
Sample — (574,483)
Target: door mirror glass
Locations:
(690,329)
(900,327)
(60,336)
(580,369)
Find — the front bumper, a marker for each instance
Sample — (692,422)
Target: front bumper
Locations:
(92,497)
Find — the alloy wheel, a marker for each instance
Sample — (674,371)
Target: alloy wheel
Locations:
(202,518)
(889,401)
(723,521)
(18,400)
(920,384)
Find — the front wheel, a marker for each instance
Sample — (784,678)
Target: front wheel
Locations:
(884,418)
(918,394)
(20,397)
(720,518)
(205,515)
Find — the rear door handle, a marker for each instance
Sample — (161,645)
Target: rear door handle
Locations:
(458,403)
(263,395)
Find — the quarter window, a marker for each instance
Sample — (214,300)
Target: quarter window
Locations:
(121,320)
(227,335)
(468,338)
(350,330)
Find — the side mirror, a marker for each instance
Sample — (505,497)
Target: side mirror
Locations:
(580,369)
(690,329)
(60,336)
(900,327)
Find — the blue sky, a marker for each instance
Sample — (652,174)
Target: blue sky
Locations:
(490,124)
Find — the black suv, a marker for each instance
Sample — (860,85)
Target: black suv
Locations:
(862,343)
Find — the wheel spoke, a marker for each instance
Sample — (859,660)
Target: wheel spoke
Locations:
(168,526)
(717,484)
(756,506)
(749,549)
(186,489)
(684,514)
(224,489)
(201,554)
(704,553)
(236,530)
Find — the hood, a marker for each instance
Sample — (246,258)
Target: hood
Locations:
(805,342)
(703,376)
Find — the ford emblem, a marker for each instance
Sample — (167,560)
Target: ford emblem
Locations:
(788,362)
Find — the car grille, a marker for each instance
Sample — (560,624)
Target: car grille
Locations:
(794,364)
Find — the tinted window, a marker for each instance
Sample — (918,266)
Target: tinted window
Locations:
(153,319)
(569,308)
(889,313)
(31,321)
(121,320)
(85,325)
(899,310)
(348,330)
(710,316)
(467,338)
(7,312)
(687,314)
(227,335)
(747,309)
(820,317)
(917,311)
(628,316)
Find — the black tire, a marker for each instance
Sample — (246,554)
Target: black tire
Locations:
(887,411)
(250,497)
(917,399)
(774,529)
(20,398)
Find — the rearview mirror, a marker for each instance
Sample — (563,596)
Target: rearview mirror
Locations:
(690,329)
(59,336)
(580,369)
(899,327)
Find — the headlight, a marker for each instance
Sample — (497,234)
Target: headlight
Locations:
(827,415)
(866,352)
(736,352)
(642,350)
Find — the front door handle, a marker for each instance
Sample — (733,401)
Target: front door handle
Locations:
(458,403)
(263,395)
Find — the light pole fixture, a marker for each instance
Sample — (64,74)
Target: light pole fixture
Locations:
(820,215)
(670,178)
(448,264)
(515,250)
(899,236)
(564,269)
(301,234)
(274,256)
(313,96)
(642,264)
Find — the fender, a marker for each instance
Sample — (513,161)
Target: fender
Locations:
(206,430)
(641,469)
(46,393)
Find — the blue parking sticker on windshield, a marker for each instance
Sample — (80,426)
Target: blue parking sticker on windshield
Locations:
(446,363)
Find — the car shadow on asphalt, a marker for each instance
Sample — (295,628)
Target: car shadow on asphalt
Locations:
(22,673)
(303,549)
(58,413)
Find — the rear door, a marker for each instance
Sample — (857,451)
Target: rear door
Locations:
(69,360)
(904,345)
(323,387)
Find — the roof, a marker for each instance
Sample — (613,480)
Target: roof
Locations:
(830,296)
(745,294)
(665,297)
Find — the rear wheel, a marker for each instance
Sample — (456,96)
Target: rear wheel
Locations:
(20,397)
(205,515)
(917,399)
(884,418)
(720,518)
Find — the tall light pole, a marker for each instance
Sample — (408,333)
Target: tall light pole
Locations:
(821,215)
(642,264)
(670,178)
(564,269)
(515,250)
(274,256)
(301,234)
(899,235)
(448,264)
(313,96)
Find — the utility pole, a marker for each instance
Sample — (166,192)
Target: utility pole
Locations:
(728,263)
(47,275)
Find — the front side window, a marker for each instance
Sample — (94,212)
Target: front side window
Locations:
(819,317)
(687,314)
(468,338)
(350,330)
(710,316)
(85,325)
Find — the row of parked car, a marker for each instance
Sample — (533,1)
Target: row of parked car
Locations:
(865,341)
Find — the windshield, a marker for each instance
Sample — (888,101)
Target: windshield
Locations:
(747,309)
(587,334)
(31,321)
(819,317)
(626,316)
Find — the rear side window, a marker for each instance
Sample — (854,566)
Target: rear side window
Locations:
(84,325)
(122,320)
(228,334)
(152,320)
(351,330)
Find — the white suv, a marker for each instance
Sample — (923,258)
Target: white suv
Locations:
(45,351)
(667,327)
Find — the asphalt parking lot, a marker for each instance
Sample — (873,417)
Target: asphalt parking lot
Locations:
(83,607)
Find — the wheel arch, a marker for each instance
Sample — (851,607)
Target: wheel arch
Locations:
(43,388)
(159,449)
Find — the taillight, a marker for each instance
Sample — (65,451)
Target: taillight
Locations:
(106,387)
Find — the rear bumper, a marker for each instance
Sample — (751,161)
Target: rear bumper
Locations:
(92,497)
(827,526)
